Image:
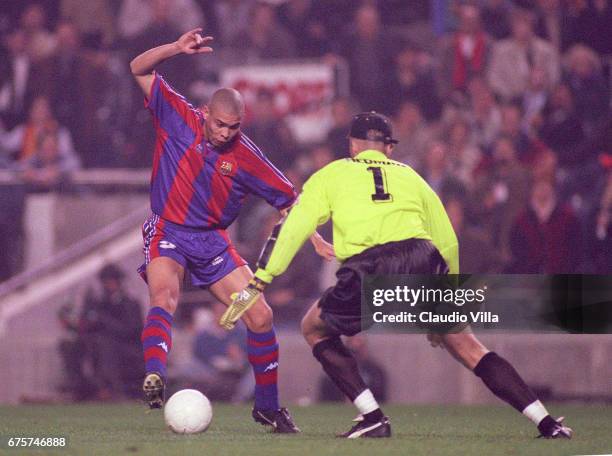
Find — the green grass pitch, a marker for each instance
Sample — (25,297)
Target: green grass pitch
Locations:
(418,430)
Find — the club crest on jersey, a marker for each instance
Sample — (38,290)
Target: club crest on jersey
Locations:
(226,168)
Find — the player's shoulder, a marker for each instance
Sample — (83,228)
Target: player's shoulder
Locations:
(246,148)
(164,91)
(331,168)
(160,81)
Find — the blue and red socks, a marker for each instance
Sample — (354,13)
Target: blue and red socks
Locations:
(262,349)
(157,340)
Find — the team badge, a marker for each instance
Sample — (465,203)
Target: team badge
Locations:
(226,168)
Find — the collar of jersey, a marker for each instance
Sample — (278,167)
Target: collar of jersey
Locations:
(371,153)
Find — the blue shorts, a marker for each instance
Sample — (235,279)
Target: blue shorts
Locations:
(208,255)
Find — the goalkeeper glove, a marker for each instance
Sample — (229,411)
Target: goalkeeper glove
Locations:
(241,302)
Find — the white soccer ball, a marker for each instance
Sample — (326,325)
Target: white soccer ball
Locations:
(188,412)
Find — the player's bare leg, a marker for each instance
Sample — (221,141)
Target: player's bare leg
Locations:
(313,327)
(164,278)
(465,348)
(341,366)
(262,350)
(503,381)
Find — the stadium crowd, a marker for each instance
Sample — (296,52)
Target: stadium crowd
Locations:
(502,106)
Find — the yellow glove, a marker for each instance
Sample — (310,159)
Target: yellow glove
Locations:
(241,302)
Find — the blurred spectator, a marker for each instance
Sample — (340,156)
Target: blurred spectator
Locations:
(24,141)
(264,37)
(105,336)
(342,110)
(599,234)
(484,114)
(549,21)
(544,167)
(436,165)
(546,238)
(601,35)
(135,16)
(397,13)
(46,168)
(9,13)
(96,22)
(334,14)
(269,131)
(371,371)
(231,17)
(535,100)
(494,16)
(473,241)
(40,43)
(415,81)
(562,129)
(104,93)
(527,148)
(308,31)
(17,79)
(320,155)
(585,78)
(501,193)
(589,24)
(220,357)
(68,67)
(465,53)
(413,135)
(369,51)
(463,154)
(513,59)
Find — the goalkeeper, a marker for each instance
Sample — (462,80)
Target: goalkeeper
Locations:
(386,220)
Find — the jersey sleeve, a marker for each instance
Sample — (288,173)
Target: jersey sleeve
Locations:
(263,179)
(440,229)
(171,111)
(311,210)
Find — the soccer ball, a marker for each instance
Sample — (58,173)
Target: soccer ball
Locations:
(188,412)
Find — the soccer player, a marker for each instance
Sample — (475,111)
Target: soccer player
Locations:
(203,169)
(386,220)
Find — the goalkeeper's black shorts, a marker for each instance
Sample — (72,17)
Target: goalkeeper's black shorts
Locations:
(341,304)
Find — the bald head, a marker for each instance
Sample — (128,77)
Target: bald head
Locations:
(223,116)
(228,101)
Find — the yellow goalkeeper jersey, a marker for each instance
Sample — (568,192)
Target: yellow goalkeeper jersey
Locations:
(371,200)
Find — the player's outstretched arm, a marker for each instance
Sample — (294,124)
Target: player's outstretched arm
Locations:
(143,65)
(323,248)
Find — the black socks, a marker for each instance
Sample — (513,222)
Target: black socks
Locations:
(340,364)
(504,381)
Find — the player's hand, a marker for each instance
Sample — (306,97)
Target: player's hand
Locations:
(241,302)
(193,42)
(322,247)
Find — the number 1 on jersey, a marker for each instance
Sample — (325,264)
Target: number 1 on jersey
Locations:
(379,185)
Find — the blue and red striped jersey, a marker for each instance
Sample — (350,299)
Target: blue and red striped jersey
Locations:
(194,184)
